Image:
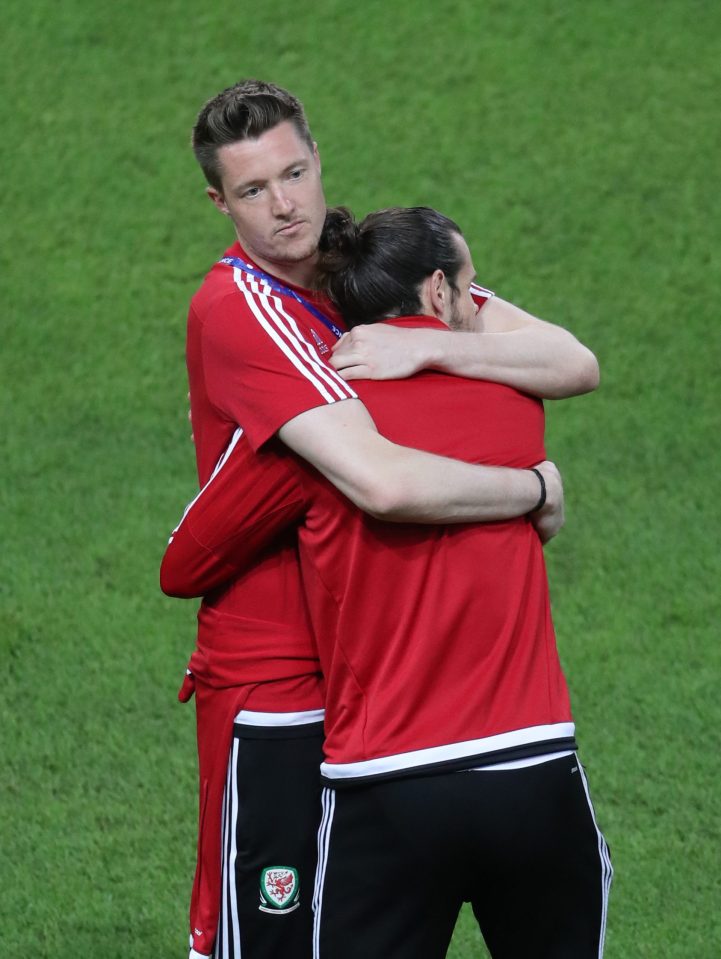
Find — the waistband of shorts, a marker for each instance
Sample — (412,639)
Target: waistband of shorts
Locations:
(505,747)
(251,724)
(251,717)
(521,763)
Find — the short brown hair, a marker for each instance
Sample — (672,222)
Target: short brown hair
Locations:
(243,112)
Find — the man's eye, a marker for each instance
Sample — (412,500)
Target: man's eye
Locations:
(295,174)
(253,191)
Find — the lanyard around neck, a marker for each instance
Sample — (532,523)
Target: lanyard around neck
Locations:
(286,290)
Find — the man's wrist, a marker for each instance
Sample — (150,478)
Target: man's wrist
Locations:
(542,497)
(439,350)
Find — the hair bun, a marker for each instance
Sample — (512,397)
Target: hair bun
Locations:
(339,242)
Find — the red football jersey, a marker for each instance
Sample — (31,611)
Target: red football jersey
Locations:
(436,642)
(256,358)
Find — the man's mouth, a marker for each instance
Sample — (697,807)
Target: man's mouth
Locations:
(290,227)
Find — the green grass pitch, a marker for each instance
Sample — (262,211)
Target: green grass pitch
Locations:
(577,143)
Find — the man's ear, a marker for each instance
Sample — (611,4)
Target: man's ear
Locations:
(316,156)
(436,293)
(217,199)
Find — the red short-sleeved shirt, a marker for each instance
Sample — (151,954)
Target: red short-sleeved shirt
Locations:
(436,642)
(256,358)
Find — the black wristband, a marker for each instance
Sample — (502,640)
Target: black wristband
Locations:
(542,497)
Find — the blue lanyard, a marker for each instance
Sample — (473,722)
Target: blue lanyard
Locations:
(281,288)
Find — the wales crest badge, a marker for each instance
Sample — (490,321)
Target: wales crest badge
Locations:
(279,889)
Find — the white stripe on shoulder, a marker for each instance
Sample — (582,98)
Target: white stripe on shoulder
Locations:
(267,308)
(335,380)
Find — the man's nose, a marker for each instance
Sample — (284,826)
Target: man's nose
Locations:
(282,204)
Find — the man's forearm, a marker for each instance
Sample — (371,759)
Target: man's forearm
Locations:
(398,484)
(518,349)
(508,345)
(542,360)
(403,485)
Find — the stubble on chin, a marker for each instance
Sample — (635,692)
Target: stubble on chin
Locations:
(308,250)
(295,251)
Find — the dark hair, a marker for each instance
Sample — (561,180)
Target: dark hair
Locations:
(243,112)
(374,269)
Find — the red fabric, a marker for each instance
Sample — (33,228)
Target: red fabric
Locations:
(256,358)
(427,635)
(433,635)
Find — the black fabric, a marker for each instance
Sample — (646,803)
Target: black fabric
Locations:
(277,811)
(302,731)
(520,845)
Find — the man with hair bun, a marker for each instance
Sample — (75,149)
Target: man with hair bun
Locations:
(264,367)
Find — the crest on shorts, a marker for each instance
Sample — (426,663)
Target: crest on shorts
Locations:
(279,889)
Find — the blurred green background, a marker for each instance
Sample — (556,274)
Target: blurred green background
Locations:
(577,143)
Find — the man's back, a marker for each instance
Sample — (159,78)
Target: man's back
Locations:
(434,638)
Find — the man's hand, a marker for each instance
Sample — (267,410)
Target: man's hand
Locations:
(550,518)
(509,346)
(381,352)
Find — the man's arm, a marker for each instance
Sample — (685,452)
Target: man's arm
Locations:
(253,497)
(250,500)
(263,371)
(509,346)
(399,484)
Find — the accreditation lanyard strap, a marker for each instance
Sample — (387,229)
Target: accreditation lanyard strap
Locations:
(282,288)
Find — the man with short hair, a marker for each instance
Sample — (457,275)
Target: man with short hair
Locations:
(260,357)
(450,765)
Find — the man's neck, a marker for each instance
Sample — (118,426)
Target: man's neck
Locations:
(301,273)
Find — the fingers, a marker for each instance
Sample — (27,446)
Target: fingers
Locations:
(344,358)
(345,364)
(351,368)
(355,373)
